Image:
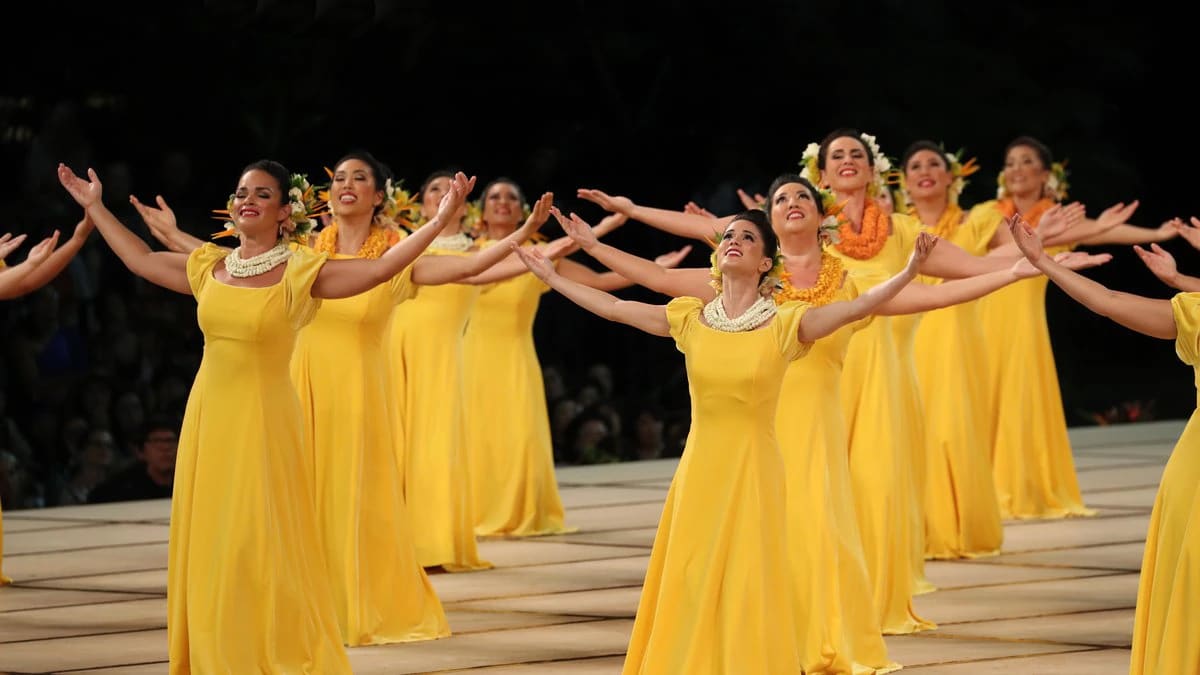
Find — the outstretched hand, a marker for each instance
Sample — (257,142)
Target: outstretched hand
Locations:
(1159,262)
(539,214)
(694,209)
(575,227)
(605,201)
(84,192)
(672,259)
(535,261)
(455,197)
(9,243)
(1191,231)
(922,247)
(42,250)
(1028,242)
(1059,218)
(161,221)
(755,202)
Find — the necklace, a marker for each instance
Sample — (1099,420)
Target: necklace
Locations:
(240,267)
(754,316)
(947,223)
(1033,216)
(865,244)
(453,242)
(378,241)
(829,280)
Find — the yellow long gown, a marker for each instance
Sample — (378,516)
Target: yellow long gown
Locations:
(340,372)
(509,451)
(715,598)
(1031,453)
(962,515)
(877,401)
(837,618)
(247,588)
(427,354)
(1164,634)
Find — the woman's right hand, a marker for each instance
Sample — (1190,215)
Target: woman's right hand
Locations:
(9,243)
(86,193)
(575,227)
(535,261)
(161,220)
(605,201)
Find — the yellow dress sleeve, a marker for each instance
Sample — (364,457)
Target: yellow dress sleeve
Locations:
(298,279)
(905,229)
(1186,308)
(982,224)
(200,264)
(853,286)
(682,316)
(401,286)
(787,325)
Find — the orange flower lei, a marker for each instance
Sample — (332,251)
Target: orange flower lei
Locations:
(866,244)
(948,222)
(377,243)
(1033,216)
(829,281)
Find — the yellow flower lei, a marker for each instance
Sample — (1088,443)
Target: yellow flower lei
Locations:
(376,244)
(829,281)
(948,222)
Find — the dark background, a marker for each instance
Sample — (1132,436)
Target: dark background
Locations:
(663,102)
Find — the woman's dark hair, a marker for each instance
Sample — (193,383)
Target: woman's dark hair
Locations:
(1039,147)
(823,153)
(277,171)
(918,146)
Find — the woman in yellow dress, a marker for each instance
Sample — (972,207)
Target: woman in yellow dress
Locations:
(340,369)
(715,597)
(1031,453)
(962,516)
(840,629)
(513,485)
(427,364)
(247,584)
(43,262)
(1164,635)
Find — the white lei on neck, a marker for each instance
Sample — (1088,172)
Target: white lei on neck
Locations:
(754,316)
(240,267)
(454,242)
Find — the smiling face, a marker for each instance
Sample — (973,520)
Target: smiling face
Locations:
(259,203)
(502,206)
(1025,174)
(353,190)
(742,250)
(926,175)
(794,210)
(847,165)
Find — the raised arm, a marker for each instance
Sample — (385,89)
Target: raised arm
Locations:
(821,321)
(14,280)
(673,282)
(444,269)
(649,318)
(345,278)
(919,297)
(1144,315)
(163,225)
(163,268)
(690,225)
(1124,233)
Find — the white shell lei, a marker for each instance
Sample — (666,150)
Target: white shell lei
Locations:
(454,242)
(756,315)
(240,267)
